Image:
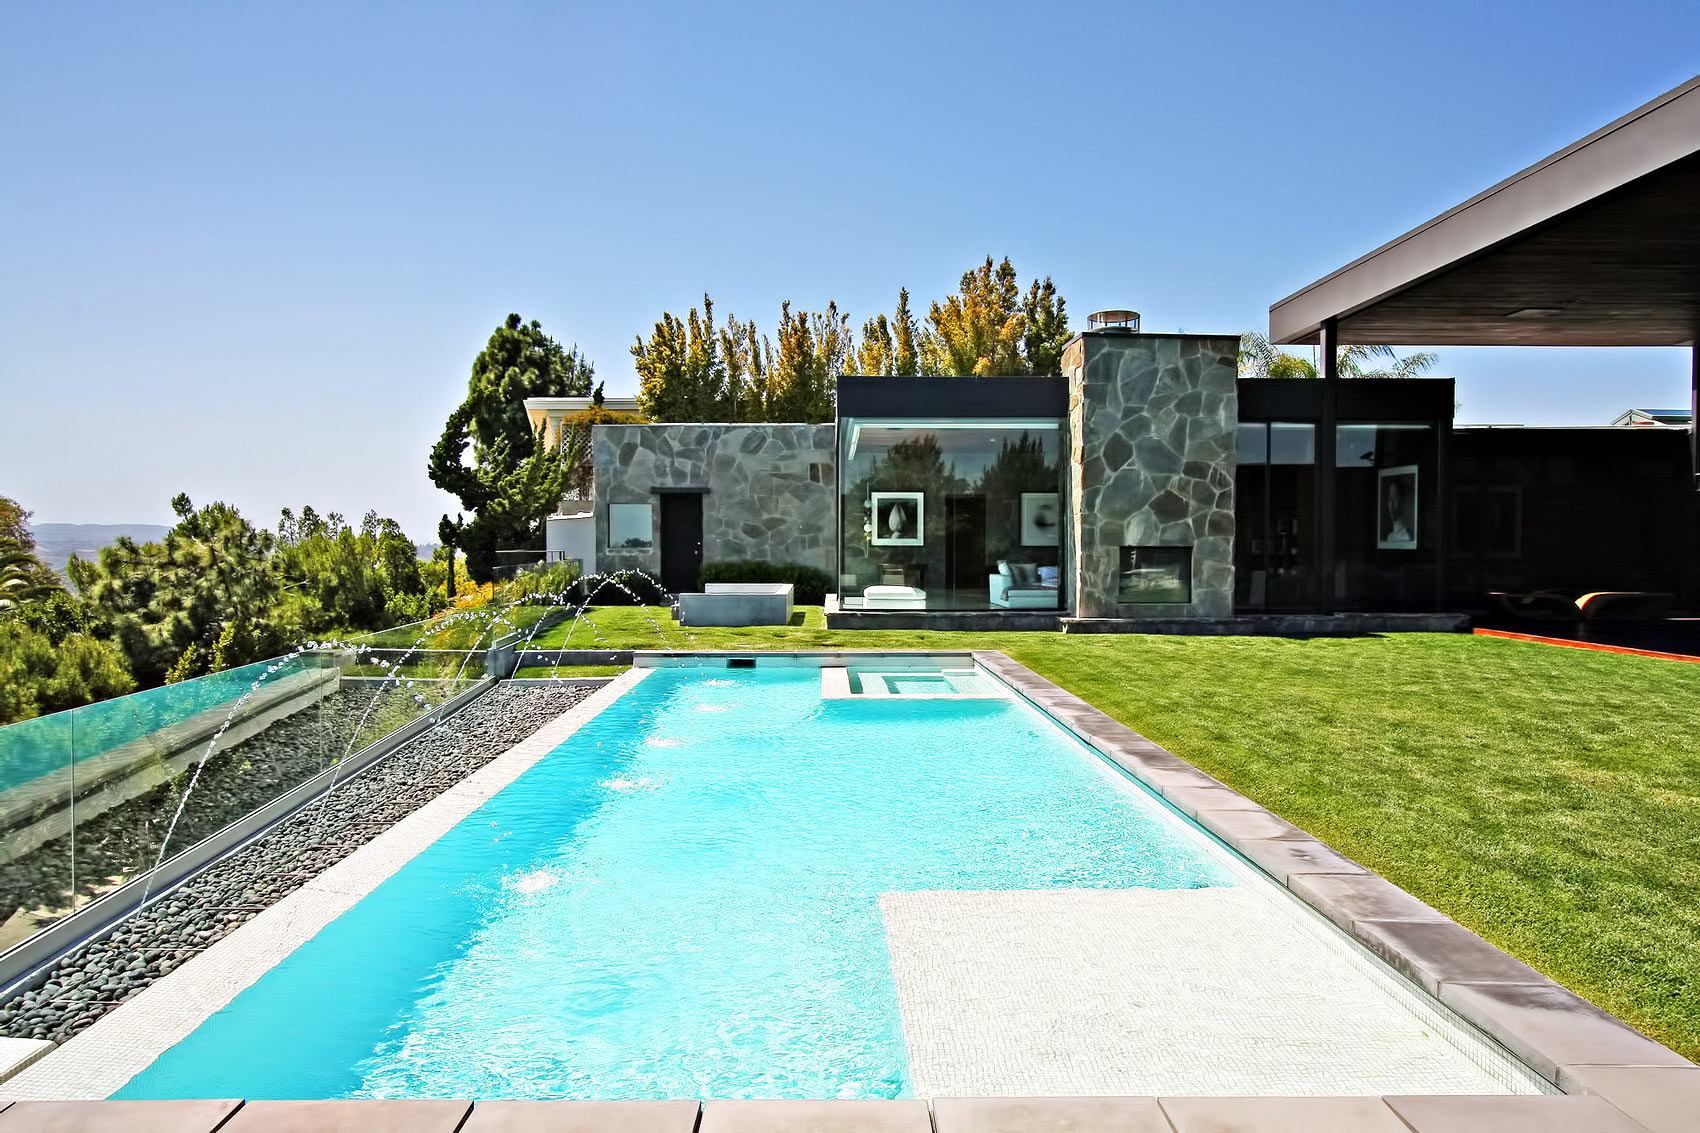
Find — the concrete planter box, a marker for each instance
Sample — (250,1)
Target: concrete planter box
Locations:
(738,604)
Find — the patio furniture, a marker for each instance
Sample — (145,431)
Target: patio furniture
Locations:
(738,604)
(894,598)
(1623,605)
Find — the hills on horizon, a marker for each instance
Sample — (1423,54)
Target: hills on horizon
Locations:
(57,542)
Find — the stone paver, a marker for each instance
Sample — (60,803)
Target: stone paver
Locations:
(1665,1099)
(583,1117)
(199,1116)
(1348,899)
(364,1115)
(1236,826)
(1281,1115)
(1550,1028)
(815,1117)
(1189,800)
(1514,1115)
(1284,859)
(1049,1115)
(1435,952)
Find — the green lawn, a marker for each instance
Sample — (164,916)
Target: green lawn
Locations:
(1548,798)
(466,629)
(567,672)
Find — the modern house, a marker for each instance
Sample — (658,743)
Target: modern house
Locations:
(1149,487)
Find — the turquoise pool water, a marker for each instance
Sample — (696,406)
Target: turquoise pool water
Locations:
(681,902)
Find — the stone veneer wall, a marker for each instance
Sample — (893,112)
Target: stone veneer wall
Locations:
(772,489)
(1153,430)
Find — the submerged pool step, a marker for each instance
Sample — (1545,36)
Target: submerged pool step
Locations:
(859,682)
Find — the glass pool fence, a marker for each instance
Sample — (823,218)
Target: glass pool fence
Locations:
(94,797)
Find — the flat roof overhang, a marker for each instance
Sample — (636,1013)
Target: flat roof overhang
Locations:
(1597,245)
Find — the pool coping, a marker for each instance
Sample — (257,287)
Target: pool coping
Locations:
(1574,1044)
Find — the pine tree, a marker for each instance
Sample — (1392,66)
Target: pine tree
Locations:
(519,361)
(1046,332)
(906,359)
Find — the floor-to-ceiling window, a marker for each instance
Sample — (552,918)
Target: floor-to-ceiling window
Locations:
(956,513)
(1381,542)
(1275,516)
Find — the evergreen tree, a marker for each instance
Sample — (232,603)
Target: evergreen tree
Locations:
(1046,331)
(176,607)
(987,327)
(681,375)
(518,362)
(24,578)
(874,356)
(748,360)
(803,379)
(512,471)
(508,498)
(906,357)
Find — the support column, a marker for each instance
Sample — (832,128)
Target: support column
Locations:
(1694,411)
(1329,366)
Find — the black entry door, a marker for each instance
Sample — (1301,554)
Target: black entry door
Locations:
(681,541)
(965,542)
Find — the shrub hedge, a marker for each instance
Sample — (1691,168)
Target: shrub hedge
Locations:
(809,585)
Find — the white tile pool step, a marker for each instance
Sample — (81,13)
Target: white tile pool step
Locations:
(1152,991)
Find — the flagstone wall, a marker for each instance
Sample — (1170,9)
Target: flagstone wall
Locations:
(1153,423)
(771,489)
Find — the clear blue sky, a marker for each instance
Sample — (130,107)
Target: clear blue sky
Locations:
(248,251)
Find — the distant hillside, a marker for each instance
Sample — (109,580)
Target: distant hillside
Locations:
(57,542)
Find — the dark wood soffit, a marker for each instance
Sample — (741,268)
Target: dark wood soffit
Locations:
(1607,231)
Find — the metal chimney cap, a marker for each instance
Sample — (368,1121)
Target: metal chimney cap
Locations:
(1121,320)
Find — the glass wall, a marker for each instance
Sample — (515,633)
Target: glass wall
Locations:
(950,514)
(1387,516)
(1275,517)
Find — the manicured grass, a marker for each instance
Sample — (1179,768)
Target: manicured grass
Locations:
(461,629)
(568,672)
(1548,798)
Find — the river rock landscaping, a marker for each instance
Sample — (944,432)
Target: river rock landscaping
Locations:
(96,977)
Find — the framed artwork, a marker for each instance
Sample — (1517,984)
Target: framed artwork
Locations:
(1041,519)
(1396,508)
(631,527)
(898,518)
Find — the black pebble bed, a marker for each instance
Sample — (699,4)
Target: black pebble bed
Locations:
(90,981)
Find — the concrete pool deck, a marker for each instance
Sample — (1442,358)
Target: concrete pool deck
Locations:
(1622,1080)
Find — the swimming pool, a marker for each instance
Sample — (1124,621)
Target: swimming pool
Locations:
(730,884)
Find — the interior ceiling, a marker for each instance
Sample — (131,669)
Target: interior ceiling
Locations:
(952,438)
(1622,270)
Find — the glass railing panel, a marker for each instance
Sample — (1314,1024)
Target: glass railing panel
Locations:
(94,797)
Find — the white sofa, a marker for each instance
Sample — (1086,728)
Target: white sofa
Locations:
(1017,586)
